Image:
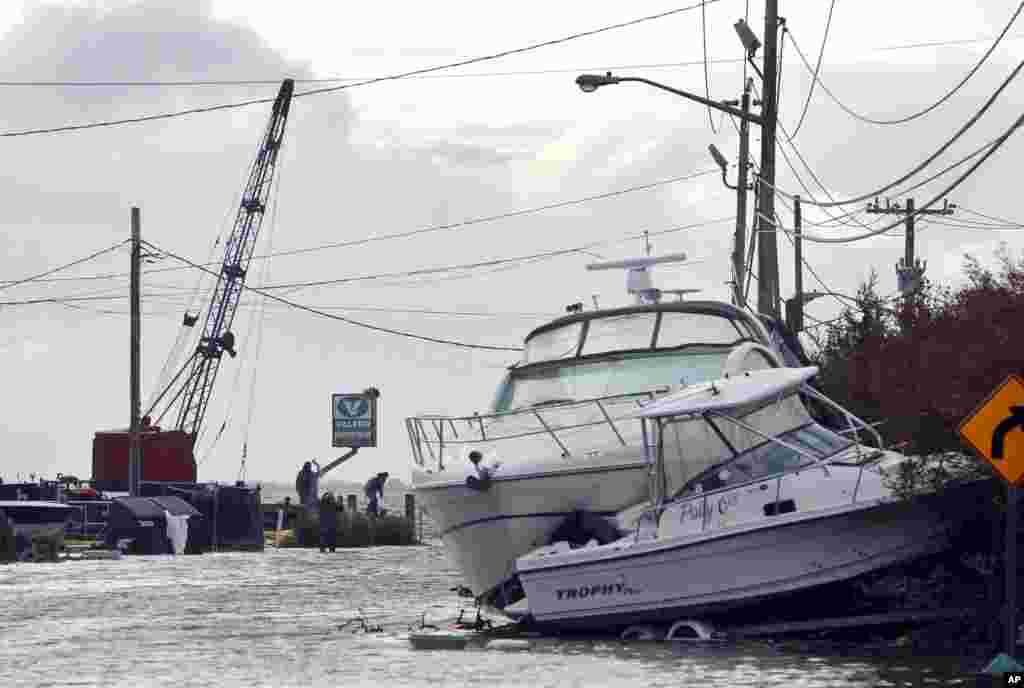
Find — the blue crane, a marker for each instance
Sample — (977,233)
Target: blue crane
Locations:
(191,387)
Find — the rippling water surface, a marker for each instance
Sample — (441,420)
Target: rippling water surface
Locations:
(272,619)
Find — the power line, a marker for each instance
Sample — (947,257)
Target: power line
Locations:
(479,264)
(531,72)
(330,316)
(179,291)
(945,192)
(990,217)
(931,158)
(920,113)
(337,79)
(365,82)
(38,277)
(817,68)
(707,77)
(425,230)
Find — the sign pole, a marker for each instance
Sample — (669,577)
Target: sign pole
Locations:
(1010,632)
(991,431)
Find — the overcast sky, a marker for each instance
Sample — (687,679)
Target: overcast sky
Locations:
(499,136)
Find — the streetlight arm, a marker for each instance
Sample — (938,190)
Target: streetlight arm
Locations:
(736,112)
(591,82)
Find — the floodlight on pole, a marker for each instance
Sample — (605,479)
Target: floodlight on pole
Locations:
(747,37)
(722,163)
(589,83)
(719,158)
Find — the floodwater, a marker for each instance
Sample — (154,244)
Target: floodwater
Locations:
(272,619)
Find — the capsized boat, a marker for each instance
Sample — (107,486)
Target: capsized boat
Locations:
(560,455)
(782,506)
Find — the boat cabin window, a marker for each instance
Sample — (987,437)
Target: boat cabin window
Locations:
(680,329)
(628,373)
(561,342)
(769,458)
(620,333)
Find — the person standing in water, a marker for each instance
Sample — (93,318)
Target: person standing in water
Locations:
(328,522)
(374,491)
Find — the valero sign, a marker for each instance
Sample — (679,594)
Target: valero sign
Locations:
(995,430)
(354,419)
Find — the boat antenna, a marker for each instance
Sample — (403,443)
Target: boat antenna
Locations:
(638,274)
(647,242)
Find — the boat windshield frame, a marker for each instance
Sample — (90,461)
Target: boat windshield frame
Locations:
(747,329)
(661,498)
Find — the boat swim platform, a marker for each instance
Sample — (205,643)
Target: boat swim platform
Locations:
(860,621)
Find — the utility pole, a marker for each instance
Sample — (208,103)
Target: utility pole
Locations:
(135,450)
(910,269)
(798,277)
(768,250)
(740,239)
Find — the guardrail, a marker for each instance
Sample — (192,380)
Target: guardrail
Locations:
(431,435)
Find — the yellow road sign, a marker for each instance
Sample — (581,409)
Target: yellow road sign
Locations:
(995,430)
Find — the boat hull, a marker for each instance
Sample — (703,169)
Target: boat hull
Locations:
(30,517)
(720,575)
(485,531)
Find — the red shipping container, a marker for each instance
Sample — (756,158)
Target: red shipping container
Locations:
(166,456)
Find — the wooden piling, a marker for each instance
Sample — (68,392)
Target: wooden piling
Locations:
(350,500)
(410,514)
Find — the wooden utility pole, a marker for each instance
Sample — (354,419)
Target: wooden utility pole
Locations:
(768,250)
(910,269)
(798,277)
(135,449)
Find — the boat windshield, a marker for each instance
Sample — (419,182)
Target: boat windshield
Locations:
(635,331)
(628,373)
(769,458)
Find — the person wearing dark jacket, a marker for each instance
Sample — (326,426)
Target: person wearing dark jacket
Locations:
(328,522)
(374,491)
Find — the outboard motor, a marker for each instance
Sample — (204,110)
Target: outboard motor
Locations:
(584,526)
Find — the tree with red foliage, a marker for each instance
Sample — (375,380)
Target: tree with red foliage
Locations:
(923,366)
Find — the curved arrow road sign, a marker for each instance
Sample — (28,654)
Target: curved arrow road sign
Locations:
(995,430)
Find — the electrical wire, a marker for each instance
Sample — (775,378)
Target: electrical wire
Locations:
(942,149)
(945,192)
(108,296)
(990,217)
(39,277)
(337,79)
(365,82)
(426,230)
(339,318)
(707,77)
(933,106)
(817,68)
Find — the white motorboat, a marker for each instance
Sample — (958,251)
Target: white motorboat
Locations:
(783,507)
(561,453)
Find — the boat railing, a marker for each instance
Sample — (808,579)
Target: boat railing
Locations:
(88,518)
(431,435)
(862,461)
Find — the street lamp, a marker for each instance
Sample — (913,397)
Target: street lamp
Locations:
(589,83)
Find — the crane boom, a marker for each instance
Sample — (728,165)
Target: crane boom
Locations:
(200,371)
